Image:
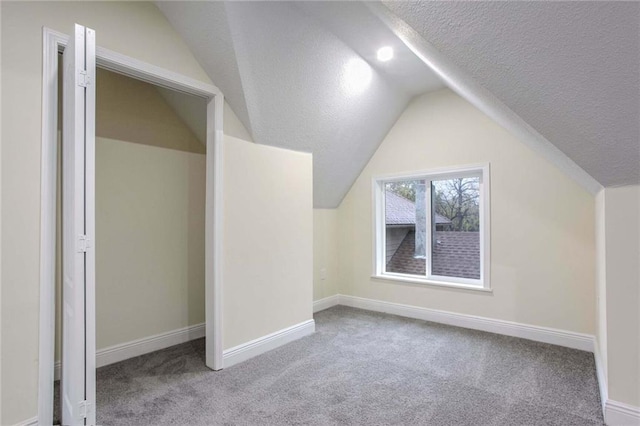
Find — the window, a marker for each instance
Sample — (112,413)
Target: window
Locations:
(433,227)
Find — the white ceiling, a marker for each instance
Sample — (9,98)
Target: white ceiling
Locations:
(283,68)
(571,70)
(204,27)
(353,23)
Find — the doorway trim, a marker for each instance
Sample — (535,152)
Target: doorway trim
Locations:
(53,43)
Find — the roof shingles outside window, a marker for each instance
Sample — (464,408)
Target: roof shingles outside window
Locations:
(456,254)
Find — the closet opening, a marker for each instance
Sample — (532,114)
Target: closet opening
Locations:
(150,204)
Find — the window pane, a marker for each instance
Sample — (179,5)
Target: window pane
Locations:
(456,233)
(406,238)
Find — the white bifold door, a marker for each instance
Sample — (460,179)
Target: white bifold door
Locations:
(78,384)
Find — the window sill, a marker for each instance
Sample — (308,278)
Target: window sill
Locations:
(426,282)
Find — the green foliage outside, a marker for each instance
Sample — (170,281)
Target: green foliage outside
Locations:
(406,189)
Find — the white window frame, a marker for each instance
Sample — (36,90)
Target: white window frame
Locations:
(379,247)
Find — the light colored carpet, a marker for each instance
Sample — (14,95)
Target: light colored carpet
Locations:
(360,368)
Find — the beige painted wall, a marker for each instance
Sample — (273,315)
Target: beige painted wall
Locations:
(542,223)
(622,247)
(132,110)
(136,29)
(233,126)
(150,240)
(601,280)
(325,253)
(268,240)
(150,196)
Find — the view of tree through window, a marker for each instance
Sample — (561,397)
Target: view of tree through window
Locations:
(459,201)
(456,249)
(406,189)
(455,227)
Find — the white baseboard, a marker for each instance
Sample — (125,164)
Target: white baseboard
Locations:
(326,303)
(615,413)
(29,422)
(619,414)
(266,343)
(117,353)
(553,336)
(601,375)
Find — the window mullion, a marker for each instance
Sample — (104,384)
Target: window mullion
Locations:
(429,226)
(381,228)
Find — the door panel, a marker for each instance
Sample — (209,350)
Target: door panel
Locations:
(78,258)
(90,227)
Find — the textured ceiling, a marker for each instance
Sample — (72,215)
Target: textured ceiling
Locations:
(284,68)
(354,24)
(569,69)
(204,27)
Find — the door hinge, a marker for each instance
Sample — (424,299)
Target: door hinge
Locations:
(83,79)
(83,409)
(83,243)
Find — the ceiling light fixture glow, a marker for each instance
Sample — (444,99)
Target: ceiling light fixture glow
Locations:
(357,75)
(385,54)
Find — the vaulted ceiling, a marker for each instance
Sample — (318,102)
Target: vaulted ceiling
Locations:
(304,75)
(569,69)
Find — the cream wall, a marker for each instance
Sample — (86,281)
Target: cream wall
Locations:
(132,110)
(233,126)
(601,281)
(150,205)
(141,195)
(325,253)
(622,247)
(150,213)
(136,29)
(542,223)
(268,240)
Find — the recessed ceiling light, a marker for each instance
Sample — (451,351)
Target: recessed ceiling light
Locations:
(385,54)
(357,75)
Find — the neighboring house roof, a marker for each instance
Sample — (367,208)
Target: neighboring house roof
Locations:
(402,211)
(456,254)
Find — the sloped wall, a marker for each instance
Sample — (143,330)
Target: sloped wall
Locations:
(542,223)
(131,110)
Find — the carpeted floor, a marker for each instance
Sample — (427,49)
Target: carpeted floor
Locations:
(360,368)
